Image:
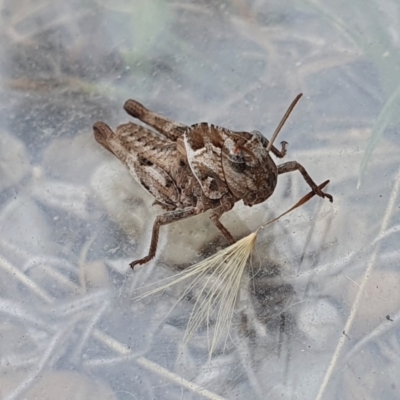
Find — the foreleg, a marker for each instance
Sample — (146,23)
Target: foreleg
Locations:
(282,152)
(295,166)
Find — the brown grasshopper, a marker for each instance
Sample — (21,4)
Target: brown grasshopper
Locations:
(192,169)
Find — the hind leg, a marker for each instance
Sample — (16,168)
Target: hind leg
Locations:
(172,130)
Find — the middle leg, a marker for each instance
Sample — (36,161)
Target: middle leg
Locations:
(161,220)
(216,213)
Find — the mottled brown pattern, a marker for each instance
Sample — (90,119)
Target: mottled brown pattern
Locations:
(190,170)
(204,143)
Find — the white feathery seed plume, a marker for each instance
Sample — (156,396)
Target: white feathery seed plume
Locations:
(217,279)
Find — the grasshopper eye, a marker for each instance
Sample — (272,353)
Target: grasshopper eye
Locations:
(238,155)
(241,159)
(248,155)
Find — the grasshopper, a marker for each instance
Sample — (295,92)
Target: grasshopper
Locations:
(192,169)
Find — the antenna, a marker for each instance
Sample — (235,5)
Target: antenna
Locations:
(283,120)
